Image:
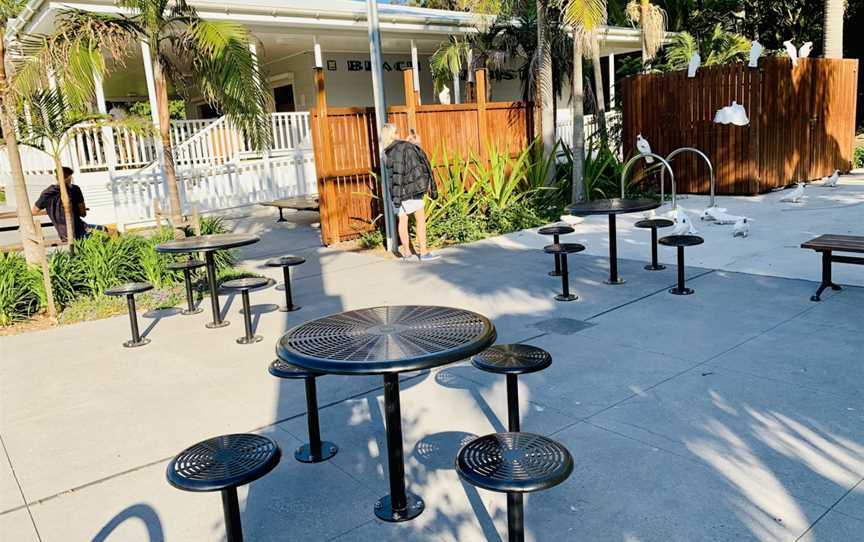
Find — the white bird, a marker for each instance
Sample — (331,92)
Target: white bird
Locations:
(794,196)
(755,53)
(805,49)
(571,220)
(741,227)
(695,62)
(644,148)
(723,115)
(738,115)
(708,214)
(444,96)
(683,226)
(832,180)
(725,218)
(791,51)
(649,214)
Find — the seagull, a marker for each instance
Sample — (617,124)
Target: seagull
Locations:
(683,226)
(741,227)
(708,214)
(791,51)
(644,148)
(444,95)
(755,53)
(805,49)
(794,196)
(695,62)
(832,180)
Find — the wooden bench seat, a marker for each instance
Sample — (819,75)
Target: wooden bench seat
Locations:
(300,203)
(827,245)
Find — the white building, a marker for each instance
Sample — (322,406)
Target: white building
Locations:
(120,174)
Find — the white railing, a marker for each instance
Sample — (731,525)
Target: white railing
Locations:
(564,125)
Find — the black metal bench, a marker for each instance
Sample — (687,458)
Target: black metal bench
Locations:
(300,203)
(827,245)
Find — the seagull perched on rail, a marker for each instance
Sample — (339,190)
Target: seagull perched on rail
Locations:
(805,49)
(644,148)
(832,180)
(741,227)
(755,53)
(795,196)
(695,62)
(791,51)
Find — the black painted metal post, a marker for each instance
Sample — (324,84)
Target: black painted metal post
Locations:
(565,277)
(281,216)
(231,509)
(247,317)
(187,275)
(395,461)
(681,268)
(613,252)
(556,240)
(512,404)
(133,319)
(515,518)
(312,419)
(286,273)
(214,292)
(654,247)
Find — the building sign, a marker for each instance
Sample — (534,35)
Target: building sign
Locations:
(366,65)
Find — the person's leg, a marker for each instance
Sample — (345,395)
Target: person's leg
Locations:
(403,234)
(420,217)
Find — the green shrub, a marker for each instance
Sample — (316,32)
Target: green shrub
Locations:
(215,225)
(101,261)
(21,291)
(153,263)
(858,158)
(66,283)
(371,239)
(514,218)
(456,225)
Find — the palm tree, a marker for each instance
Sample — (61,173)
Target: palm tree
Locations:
(583,16)
(834,28)
(720,47)
(652,20)
(217,53)
(8,114)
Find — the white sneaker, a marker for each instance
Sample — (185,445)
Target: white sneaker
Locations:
(428,257)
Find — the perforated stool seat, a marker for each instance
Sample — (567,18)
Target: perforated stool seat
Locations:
(514,463)
(286,263)
(681,241)
(243,286)
(316,450)
(222,464)
(653,224)
(129,290)
(561,250)
(187,267)
(512,360)
(556,230)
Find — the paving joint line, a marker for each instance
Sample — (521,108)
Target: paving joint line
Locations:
(646,296)
(20,490)
(830,508)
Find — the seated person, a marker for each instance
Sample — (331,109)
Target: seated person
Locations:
(50,201)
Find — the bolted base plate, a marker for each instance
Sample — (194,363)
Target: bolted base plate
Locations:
(561,297)
(554,273)
(385,511)
(132,344)
(815,298)
(303,454)
(651,267)
(681,291)
(215,325)
(187,312)
(292,308)
(616,282)
(250,340)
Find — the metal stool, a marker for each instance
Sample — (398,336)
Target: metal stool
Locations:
(222,464)
(243,286)
(512,360)
(316,450)
(187,266)
(653,224)
(555,230)
(286,263)
(681,241)
(514,463)
(561,250)
(129,290)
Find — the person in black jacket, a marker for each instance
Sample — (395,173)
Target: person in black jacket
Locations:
(410,179)
(50,202)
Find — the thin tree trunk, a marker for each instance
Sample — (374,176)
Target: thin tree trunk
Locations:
(578,108)
(64,198)
(546,91)
(643,16)
(600,113)
(176,209)
(19,183)
(834,28)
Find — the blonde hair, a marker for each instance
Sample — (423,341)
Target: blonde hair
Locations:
(388,135)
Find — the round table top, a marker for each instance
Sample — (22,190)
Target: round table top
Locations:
(207,243)
(614,206)
(681,240)
(383,340)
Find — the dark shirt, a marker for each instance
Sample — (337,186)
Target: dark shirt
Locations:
(50,201)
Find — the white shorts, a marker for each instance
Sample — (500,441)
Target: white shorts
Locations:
(410,206)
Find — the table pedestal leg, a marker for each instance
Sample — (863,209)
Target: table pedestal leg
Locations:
(399,505)
(613,253)
(214,293)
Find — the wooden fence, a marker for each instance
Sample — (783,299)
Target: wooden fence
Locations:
(346,147)
(802,122)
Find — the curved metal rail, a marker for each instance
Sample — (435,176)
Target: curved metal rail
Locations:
(657,156)
(672,155)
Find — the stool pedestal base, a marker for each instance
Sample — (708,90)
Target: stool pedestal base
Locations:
(384,508)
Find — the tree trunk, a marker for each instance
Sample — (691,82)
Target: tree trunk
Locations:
(19,183)
(643,16)
(834,28)
(545,91)
(64,198)
(176,208)
(600,113)
(578,109)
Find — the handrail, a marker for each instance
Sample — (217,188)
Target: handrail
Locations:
(670,157)
(645,155)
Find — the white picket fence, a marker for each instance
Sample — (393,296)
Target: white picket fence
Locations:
(564,125)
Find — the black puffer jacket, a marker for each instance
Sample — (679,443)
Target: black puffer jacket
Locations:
(409,172)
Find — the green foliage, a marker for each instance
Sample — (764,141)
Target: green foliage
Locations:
(153,263)
(101,261)
(65,281)
(718,47)
(21,293)
(2,196)
(176,109)
(456,225)
(215,225)
(371,239)
(858,158)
